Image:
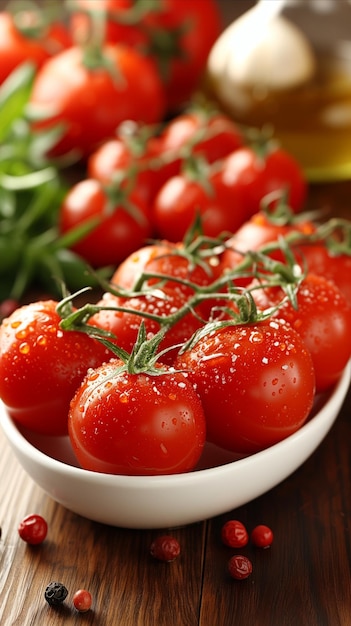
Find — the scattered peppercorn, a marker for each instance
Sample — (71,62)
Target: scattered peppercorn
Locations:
(234,534)
(55,593)
(239,567)
(165,548)
(82,600)
(262,536)
(33,529)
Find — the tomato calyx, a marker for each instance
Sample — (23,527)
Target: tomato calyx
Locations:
(144,355)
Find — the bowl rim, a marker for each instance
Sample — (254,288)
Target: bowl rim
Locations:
(17,439)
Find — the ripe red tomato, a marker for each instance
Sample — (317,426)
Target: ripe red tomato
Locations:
(212,135)
(136,424)
(90,103)
(168,260)
(115,160)
(181,198)
(125,324)
(335,267)
(323,320)
(258,175)
(179,35)
(41,366)
(192,28)
(256,383)
(16,48)
(123,224)
(258,231)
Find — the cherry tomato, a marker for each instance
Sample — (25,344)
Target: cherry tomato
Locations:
(125,324)
(33,529)
(176,205)
(16,48)
(124,222)
(168,260)
(90,103)
(259,175)
(115,160)
(335,267)
(256,383)
(322,318)
(213,136)
(136,424)
(179,35)
(41,366)
(258,231)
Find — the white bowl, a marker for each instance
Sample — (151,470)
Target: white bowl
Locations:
(220,483)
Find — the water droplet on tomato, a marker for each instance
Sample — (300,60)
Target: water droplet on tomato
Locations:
(42,340)
(24,348)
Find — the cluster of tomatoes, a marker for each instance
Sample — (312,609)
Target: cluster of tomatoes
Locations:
(100,62)
(222,340)
(226,326)
(143,183)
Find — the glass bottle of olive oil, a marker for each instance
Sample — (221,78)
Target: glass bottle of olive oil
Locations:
(311,119)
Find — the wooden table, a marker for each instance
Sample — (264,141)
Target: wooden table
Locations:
(303,579)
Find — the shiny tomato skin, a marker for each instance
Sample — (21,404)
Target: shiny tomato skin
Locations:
(212,136)
(258,175)
(119,230)
(177,34)
(181,198)
(335,267)
(41,366)
(323,320)
(256,384)
(199,22)
(113,160)
(255,233)
(167,260)
(91,103)
(16,49)
(136,424)
(125,325)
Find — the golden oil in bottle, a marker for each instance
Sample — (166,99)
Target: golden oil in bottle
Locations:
(312,120)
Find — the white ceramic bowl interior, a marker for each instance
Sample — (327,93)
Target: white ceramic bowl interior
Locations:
(219,484)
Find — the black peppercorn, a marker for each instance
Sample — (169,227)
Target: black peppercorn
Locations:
(55,593)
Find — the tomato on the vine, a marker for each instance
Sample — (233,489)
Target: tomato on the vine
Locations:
(168,262)
(136,424)
(41,366)
(178,35)
(123,221)
(261,229)
(183,197)
(91,94)
(336,267)
(213,135)
(256,383)
(322,317)
(115,160)
(125,324)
